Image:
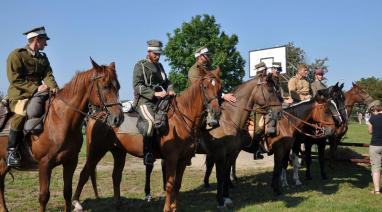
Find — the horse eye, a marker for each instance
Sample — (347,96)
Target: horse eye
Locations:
(213,82)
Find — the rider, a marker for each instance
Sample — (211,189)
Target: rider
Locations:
(26,69)
(318,84)
(298,85)
(150,85)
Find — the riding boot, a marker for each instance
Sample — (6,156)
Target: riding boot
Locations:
(13,157)
(148,157)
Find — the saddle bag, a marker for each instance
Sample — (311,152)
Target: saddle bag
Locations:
(160,116)
(35,113)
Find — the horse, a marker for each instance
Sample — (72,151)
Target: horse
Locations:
(292,120)
(176,146)
(61,140)
(355,95)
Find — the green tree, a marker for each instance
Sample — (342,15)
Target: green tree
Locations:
(203,31)
(372,85)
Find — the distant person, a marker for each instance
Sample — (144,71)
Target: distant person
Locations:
(26,69)
(318,83)
(367,117)
(360,116)
(298,85)
(375,148)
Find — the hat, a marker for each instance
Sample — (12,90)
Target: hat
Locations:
(154,46)
(276,65)
(319,71)
(373,104)
(260,68)
(39,31)
(201,51)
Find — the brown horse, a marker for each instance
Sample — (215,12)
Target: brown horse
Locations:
(176,147)
(61,140)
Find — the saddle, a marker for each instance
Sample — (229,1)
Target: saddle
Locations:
(36,113)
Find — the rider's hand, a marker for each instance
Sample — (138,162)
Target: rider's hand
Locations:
(160,94)
(288,100)
(171,93)
(54,90)
(42,88)
(229,97)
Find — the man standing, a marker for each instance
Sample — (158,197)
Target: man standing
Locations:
(318,84)
(298,86)
(26,69)
(150,86)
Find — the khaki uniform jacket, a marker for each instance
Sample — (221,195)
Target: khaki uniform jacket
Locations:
(147,77)
(298,89)
(317,85)
(26,72)
(194,73)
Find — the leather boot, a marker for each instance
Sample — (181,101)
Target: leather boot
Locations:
(13,157)
(148,157)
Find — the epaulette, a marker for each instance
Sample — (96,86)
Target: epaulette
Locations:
(21,49)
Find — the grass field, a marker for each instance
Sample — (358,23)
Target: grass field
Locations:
(347,190)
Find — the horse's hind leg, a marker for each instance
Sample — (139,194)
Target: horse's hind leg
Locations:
(308,158)
(149,170)
(209,165)
(69,168)
(119,163)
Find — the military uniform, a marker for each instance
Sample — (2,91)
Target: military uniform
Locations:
(317,85)
(26,69)
(298,89)
(148,78)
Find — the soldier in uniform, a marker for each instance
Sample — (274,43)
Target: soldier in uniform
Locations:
(202,59)
(26,69)
(318,84)
(276,70)
(298,86)
(150,85)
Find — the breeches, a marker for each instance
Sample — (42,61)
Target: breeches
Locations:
(17,120)
(146,112)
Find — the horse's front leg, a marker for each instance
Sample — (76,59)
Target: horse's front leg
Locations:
(3,206)
(321,157)
(171,164)
(308,158)
(69,168)
(178,183)
(209,165)
(45,172)
(119,163)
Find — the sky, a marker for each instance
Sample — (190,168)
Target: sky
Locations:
(348,32)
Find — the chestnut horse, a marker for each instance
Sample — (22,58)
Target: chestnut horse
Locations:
(61,140)
(177,146)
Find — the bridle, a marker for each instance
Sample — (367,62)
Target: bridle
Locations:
(103,104)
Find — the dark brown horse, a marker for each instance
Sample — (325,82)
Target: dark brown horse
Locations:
(176,147)
(61,140)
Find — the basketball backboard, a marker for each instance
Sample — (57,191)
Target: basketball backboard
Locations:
(268,56)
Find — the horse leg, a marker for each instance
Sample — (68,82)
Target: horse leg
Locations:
(278,157)
(93,179)
(68,171)
(321,157)
(91,162)
(45,172)
(209,165)
(308,159)
(220,182)
(233,176)
(163,163)
(178,182)
(3,206)
(284,167)
(119,163)
(171,164)
(149,170)
(296,164)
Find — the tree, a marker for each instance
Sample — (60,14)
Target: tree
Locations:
(203,31)
(372,85)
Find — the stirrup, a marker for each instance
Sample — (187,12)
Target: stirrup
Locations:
(13,158)
(148,159)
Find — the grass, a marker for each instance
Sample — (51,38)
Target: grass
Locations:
(347,190)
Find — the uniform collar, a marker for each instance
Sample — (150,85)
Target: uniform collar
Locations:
(33,53)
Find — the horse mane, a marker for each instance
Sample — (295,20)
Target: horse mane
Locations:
(189,93)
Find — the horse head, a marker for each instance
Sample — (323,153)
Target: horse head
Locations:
(211,86)
(338,100)
(357,95)
(104,92)
(325,112)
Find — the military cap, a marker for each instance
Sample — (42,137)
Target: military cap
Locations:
(154,46)
(276,65)
(201,51)
(260,68)
(38,31)
(319,71)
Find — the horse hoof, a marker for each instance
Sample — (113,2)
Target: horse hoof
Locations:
(77,206)
(207,185)
(148,198)
(298,183)
(228,202)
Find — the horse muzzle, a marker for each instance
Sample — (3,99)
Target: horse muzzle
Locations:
(115,120)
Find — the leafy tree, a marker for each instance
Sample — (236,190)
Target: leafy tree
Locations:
(203,31)
(372,85)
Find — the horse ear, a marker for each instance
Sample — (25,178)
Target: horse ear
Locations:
(112,65)
(336,85)
(342,85)
(353,84)
(217,71)
(95,65)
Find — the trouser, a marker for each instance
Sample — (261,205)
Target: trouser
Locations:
(146,112)
(17,124)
